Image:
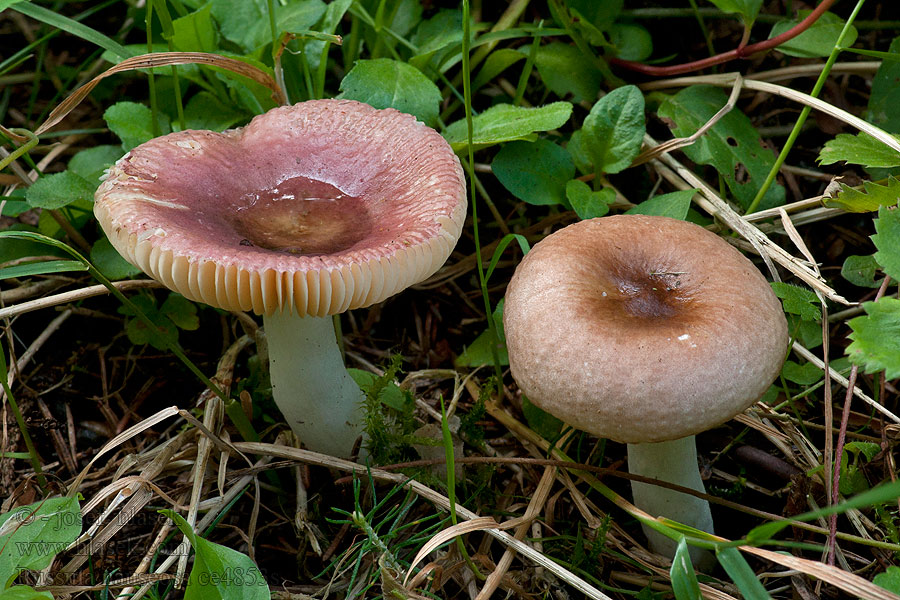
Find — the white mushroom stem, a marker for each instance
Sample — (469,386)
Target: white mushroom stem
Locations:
(674,462)
(310,384)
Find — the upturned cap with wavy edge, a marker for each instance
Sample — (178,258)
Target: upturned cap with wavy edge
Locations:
(318,208)
(642,329)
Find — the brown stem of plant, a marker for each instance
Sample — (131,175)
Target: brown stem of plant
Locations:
(842,437)
(739,52)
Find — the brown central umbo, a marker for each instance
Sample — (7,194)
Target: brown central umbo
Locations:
(301,216)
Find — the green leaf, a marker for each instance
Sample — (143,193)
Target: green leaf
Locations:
(109,262)
(673,204)
(479,353)
(195,32)
(24,592)
(246,22)
(388,83)
(72,27)
(884,100)
(219,572)
(861,270)
(872,197)
(805,374)
(742,574)
(797,300)
(889,580)
(614,130)
(878,495)
(876,338)
(181,311)
(31,536)
(133,123)
(496,62)
(542,422)
(534,172)
(860,149)
(817,41)
(809,333)
(733,145)
(587,203)
(565,70)
(600,14)
(41,268)
(866,449)
(91,164)
(684,579)
(162,334)
(206,111)
(434,38)
(58,190)
(631,42)
(887,241)
(748,9)
(505,123)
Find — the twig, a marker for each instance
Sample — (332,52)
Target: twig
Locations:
(74,296)
(739,52)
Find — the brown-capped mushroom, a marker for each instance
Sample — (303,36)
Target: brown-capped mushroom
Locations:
(645,330)
(308,211)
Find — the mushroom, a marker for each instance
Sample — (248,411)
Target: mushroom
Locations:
(308,211)
(645,330)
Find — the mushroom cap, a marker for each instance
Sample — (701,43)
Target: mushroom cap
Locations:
(642,329)
(317,208)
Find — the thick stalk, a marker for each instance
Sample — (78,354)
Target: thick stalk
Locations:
(673,462)
(310,384)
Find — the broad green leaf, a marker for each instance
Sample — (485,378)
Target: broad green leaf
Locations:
(246,22)
(334,12)
(673,204)
(805,374)
(748,9)
(861,270)
(817,41)
(434,38)
(684,579)
(631,41)
(534,172)
(872,197)
(860,149)
(565,70)
(133,123)
(587,203)
(876,338)
(887,241)
(741,574)
(195,32)
(496,62)
(884,99)
(31,536)
(809,333)
(181,311)
(889,580)
(733,145)
(479,352)
(41,268)
(505,123)
(614,130)
(866,449)
(60,189)
(542,422)
(798,301)
(388,83)
(160,332)
(109,262)
(600,14)
(91,164)
(14,208)
(206,111)
(219,572)
(24,592)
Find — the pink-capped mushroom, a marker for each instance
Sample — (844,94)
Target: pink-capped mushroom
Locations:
(308,211)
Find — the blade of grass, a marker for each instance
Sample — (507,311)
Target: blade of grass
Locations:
(71,26)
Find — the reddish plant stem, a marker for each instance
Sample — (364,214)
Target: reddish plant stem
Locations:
(842,437)
(741,51)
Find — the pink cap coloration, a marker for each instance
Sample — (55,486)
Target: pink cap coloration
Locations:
(314,208)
